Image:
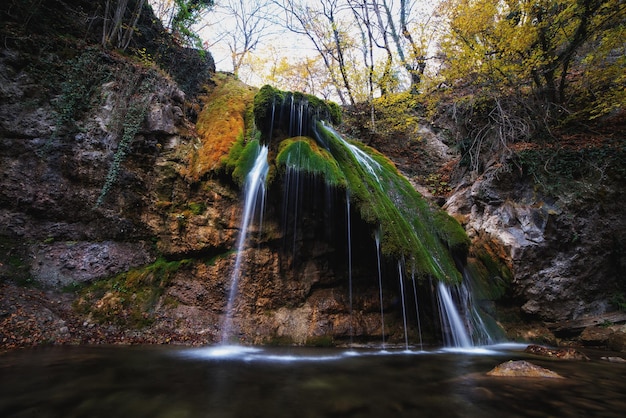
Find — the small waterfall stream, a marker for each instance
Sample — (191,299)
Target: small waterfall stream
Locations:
(417,311)
(380,286)
(454,328)
(254,188)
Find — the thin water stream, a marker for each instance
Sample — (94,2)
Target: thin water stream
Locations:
(261,382)
(254,194)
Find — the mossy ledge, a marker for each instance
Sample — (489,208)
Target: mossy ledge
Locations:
(411,229)
(129,298)
(305,155)
(296,127)
(273,112)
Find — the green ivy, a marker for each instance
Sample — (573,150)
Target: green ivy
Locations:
(135,113)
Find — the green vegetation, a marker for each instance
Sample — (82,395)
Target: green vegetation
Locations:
(305,155)
(128,298)
(566,168)
(490,277)
(134,105)
(619,301)
(244,160)
(84,75)
(268,99)
(411,229)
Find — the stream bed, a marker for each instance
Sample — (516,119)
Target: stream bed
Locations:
(223,381)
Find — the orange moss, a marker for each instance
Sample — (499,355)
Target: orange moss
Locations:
(223,118)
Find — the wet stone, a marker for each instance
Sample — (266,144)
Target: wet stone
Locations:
(522,368)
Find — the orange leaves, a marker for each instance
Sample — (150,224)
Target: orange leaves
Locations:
(222,120)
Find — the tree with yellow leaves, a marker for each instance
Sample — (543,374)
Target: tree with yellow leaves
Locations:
(526,45)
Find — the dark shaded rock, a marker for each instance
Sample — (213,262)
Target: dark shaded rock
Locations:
(560,353)
(617,341)
(595,336)
(521,368)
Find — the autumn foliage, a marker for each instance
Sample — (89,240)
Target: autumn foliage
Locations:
(222,121)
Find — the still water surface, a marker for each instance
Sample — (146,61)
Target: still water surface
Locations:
(290,382)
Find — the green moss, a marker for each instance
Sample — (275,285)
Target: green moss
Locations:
(409,225)
(304,155)
(269,101)
(128,298)
(320,341)
(196,208)
(245,160)
(490,277)
(411,229)
(451,232)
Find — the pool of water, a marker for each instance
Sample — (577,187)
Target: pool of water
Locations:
(298,382)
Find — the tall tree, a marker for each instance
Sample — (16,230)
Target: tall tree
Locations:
(251,22)
(181,16)
(323,27)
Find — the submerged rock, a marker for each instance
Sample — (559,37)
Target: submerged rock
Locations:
(522,368)
(560,353)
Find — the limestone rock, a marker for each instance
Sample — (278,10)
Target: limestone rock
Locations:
(522,368)
(557,247)
(64,263)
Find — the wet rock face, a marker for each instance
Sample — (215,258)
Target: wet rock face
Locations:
(68,263)
(565,253)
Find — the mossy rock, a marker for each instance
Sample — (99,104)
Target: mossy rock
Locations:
(304,155)
(274,113)
(224,122)
(411,229)
(128,298)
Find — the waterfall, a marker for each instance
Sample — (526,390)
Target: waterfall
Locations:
(254,188)
(417,311)
(349,262)
(406,331)
(454,329)
(417,234)
(380,286)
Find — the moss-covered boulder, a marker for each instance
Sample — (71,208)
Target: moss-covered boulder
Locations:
(279,114)
(305,155)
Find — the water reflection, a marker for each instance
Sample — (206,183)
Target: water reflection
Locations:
(229,381)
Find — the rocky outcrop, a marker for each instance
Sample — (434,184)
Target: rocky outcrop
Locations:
(96,194)
(565,252)
(521,368)
(559,353)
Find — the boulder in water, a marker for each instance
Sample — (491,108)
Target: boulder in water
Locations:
(522,368)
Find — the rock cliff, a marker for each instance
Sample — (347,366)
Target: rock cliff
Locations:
(117,220)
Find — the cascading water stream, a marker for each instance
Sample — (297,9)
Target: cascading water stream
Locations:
(406,331)
(413,228)
(254,188)
(349,263)
(454,330)
(380,286)
(417,311)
